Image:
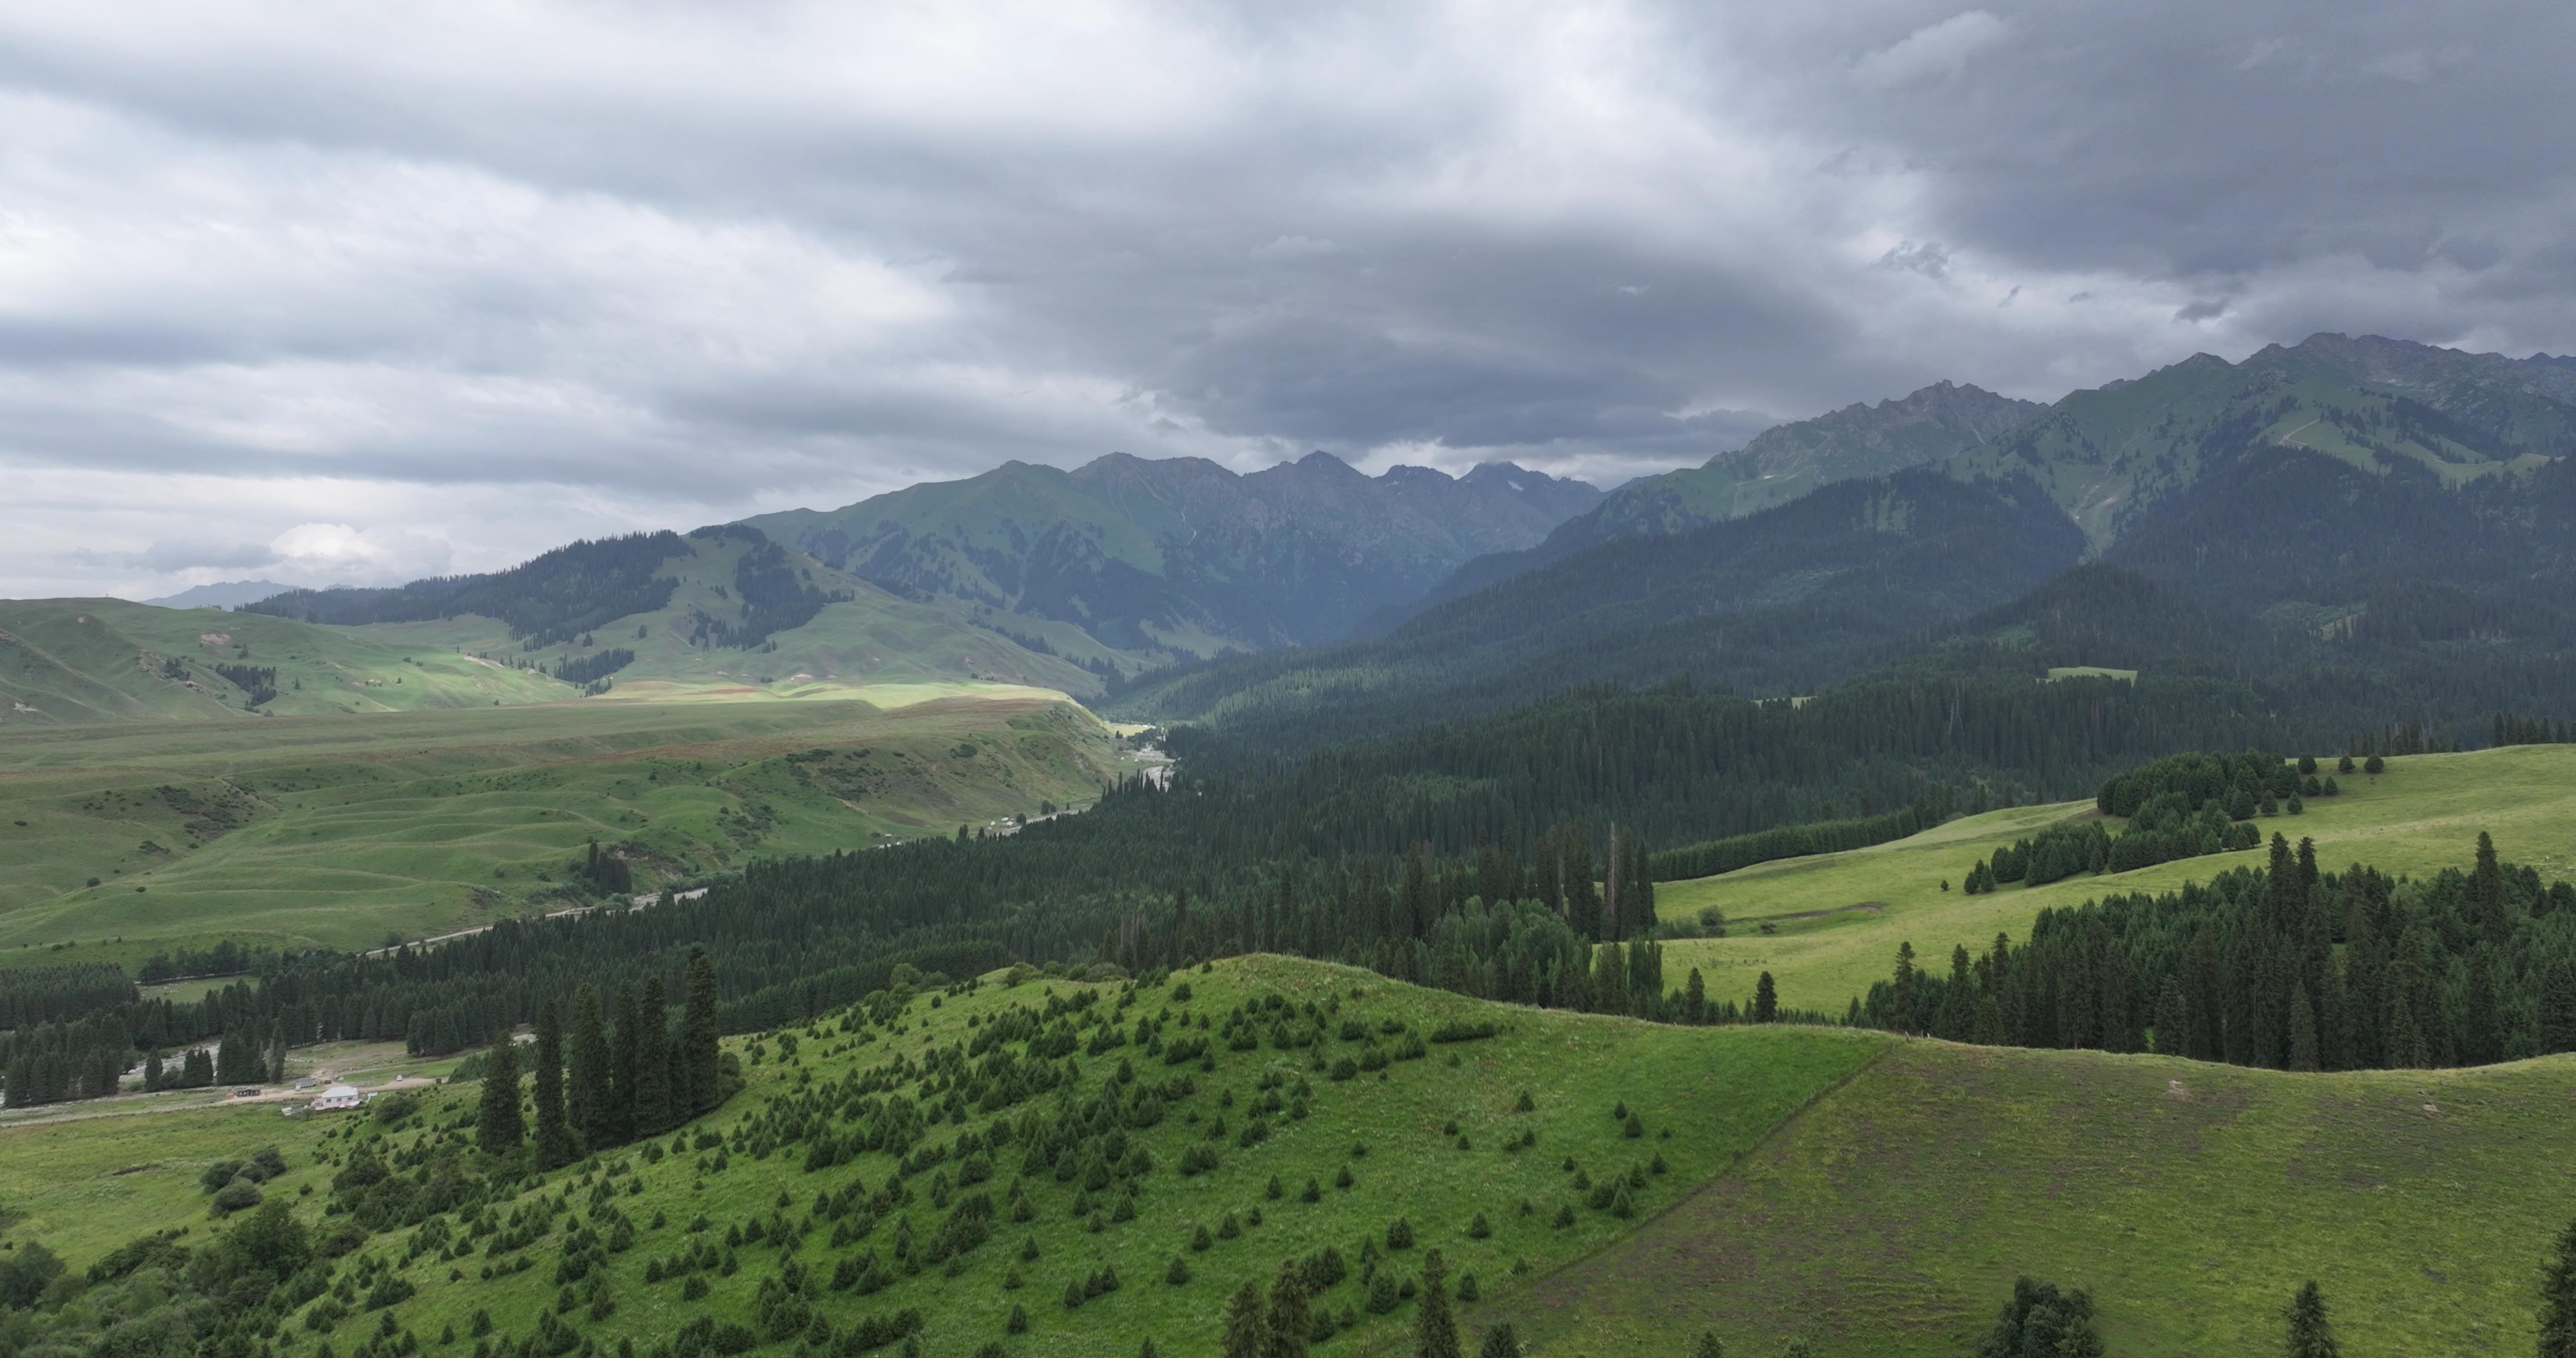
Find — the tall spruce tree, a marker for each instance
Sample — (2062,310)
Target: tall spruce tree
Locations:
(1435,1328)
(2486,893)
(588,1089)
(1766,999)
(2303,1030)
(622,1123)
(2310,1334)
(698,1035)
(1246,1333)
(2558,1298)
(554,1130)
(2558,1007)
(1287,1327)
(498,1128)
(653,1108)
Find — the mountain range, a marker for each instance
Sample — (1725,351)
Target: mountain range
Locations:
(2383,517)
(1182,556)
(2359,508)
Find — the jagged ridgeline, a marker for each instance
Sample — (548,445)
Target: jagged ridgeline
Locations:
(551,598)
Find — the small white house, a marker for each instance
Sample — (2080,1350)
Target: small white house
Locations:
(336,1098)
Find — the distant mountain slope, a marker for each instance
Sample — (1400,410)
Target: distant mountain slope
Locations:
(2382,521)
(1781,601)
(222,594)
(85,660)
(713,610)
(1183,556)
(1779,465)
(2380,405)
(1789,460)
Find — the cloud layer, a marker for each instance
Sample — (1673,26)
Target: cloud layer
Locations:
(357,294)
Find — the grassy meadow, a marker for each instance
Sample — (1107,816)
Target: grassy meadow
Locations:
(1433,1141)
(1837,918)
(1871,1194)
(2190,1199)
(342,830)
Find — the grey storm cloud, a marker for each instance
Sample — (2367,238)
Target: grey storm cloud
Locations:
(485,278)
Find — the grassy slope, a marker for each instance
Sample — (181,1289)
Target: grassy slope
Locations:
(874,638)
(2191,1199)
(351,827)
(89,660)
(1841,916)
(1717,1092)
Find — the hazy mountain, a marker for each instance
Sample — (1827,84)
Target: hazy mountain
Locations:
(224,594)
(1780,601)
(2388,518)
(1182,555)
(1779,465)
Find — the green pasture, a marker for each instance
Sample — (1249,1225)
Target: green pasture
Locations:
(1704,1098)
(2191,1200)
(1838,918)
(344,830)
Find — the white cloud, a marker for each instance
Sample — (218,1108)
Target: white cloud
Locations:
(1934,51)
(501,274)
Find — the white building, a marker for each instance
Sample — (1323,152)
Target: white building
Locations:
(338,1097)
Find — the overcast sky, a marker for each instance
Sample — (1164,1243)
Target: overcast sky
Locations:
(324,292)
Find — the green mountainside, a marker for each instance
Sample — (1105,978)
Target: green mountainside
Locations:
(2108,455)
(1181,556)
(1780,464)
(718,612)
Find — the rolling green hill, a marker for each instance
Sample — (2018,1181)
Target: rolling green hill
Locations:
(339,830)
(1872,1195)
(1836,919)
(2190,1199)
(91,660)
(724,614)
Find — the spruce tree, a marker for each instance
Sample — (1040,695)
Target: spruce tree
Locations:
(2558,1007)
(554,1131)
(1500,1342)
(1285,1333)
(497,1128)
(620,1115)
(1435,1329)
(2310,1335)
(1709,1346)
(1246,1333)
(2486,893)
(698,1036)
(1695,999)
(2303,1030)
(1766,999)
(588,1089)
(2558,1298)
(653,1111)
